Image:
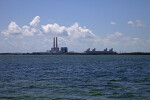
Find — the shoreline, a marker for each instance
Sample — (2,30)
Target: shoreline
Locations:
(132,53)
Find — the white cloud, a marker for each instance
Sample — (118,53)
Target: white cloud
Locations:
(112,23)
(75,37)
(78,32)
(119,39)
(137,23)
(74,31)
(131,23)
(54,29)
(26,31)
(35,21)
(13,29)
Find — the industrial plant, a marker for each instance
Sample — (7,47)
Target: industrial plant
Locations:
(64,50)
(105,51)
(55,48)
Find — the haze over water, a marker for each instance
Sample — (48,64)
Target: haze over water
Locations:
(72,77)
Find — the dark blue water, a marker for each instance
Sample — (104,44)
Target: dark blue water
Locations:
(75,77)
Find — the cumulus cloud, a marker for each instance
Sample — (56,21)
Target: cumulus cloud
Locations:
(112,23)
(74,31)
(13,29)
(137,23)
(53,29)
(35,21)
(78,32)
(74,36)
(26,31)
(131,23)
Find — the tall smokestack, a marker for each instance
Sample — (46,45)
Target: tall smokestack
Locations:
(56,42)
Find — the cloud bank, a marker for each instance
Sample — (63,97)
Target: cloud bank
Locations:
(74,31)
(77,38)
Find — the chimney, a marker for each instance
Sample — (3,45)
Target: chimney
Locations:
(56,43)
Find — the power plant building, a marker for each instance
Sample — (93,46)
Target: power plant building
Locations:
(64,49)
(55,48)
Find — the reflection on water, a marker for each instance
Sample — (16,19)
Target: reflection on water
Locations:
(79,77)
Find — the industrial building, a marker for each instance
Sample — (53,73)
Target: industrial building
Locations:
(105,51)
(64,49)
(55,48)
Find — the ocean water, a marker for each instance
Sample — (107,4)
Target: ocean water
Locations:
(75,77)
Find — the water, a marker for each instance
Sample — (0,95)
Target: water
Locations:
(75,77)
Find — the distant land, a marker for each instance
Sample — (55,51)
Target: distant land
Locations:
(44,53)
(55,50)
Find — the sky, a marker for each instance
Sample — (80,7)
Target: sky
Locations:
(30,25)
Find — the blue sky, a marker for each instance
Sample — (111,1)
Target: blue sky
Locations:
(30,25)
